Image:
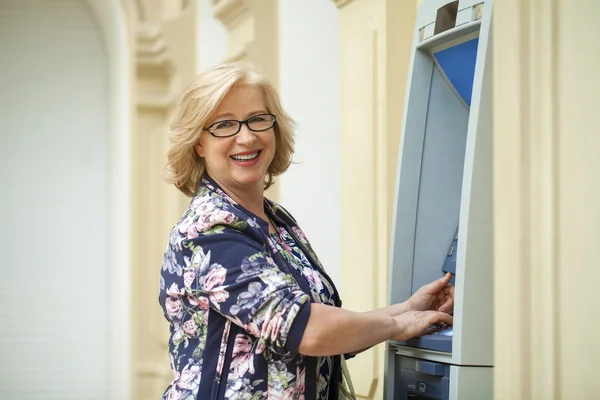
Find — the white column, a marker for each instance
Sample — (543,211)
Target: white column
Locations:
(310,90)
(211,37)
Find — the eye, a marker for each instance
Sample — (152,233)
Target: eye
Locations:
(258,118)
(223,125)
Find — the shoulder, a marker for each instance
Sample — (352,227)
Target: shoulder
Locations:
(211,212)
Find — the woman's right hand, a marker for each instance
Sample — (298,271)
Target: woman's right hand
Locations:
(416,323)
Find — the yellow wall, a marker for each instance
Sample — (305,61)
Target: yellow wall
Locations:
(546,198)
(546,146)
(163,42)
(375,45)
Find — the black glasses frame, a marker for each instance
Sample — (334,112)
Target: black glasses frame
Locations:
(240,123)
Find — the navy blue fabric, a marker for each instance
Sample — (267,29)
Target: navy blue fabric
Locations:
(238,301)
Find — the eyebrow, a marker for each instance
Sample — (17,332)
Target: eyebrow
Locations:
(230,115)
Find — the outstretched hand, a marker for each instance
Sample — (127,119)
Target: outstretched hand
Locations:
(435,296)
(416,323)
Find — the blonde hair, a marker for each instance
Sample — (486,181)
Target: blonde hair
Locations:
(198,103)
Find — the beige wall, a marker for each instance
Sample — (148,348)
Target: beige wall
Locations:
(546,204)
(375,46)
(546,146)
(163,41)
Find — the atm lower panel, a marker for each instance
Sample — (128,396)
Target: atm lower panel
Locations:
(409,378)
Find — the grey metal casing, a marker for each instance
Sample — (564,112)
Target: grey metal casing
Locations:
(444,180)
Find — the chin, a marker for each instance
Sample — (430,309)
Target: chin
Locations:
(250,180)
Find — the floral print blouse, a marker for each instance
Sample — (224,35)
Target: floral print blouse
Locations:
(238,300)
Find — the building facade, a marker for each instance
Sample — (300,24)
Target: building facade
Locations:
(101,78)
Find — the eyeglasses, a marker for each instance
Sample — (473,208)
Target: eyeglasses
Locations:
(230,127)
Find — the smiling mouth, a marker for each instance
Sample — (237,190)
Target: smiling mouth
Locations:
(246,157)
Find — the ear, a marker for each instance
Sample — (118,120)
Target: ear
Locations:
(199,148)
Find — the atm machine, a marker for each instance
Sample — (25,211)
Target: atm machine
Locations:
(443,204)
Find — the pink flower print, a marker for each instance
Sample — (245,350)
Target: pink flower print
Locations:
(298,232)
(189,377)
(200,301)
(243,359)
(196,202)
(286,247)
(223,349)
(173,394)
(242,364)
(224,217)
(261,346)
(272,245)
(243,344)
(192,232)
(285,394)
(185,225)
(290,393)
(252,329)
(204,222)
(314,278)
(300,385)
(174,308)
(216,277)
(174,291)
(271,326)
(218,295)
(190,327)
(188,278)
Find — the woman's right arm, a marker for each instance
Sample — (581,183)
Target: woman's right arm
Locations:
(230,273)
(331,330)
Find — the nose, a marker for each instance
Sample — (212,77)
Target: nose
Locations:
(245,135)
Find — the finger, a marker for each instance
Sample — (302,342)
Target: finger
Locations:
(441,317)
(441,283)
(446,279)
(447,306)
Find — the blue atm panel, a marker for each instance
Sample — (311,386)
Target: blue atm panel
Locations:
(458,64)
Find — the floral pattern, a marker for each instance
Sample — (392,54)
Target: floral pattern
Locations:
(237,300)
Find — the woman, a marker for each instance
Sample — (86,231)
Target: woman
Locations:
(252,312)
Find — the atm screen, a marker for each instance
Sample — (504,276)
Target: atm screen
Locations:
(458,65)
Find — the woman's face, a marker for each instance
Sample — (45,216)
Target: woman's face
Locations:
(239,163)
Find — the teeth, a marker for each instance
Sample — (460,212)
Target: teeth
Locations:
(245,157)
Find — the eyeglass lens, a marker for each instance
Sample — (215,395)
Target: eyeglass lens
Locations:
(231,127)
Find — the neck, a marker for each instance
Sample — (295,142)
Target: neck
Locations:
(253,203)
(249,198)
